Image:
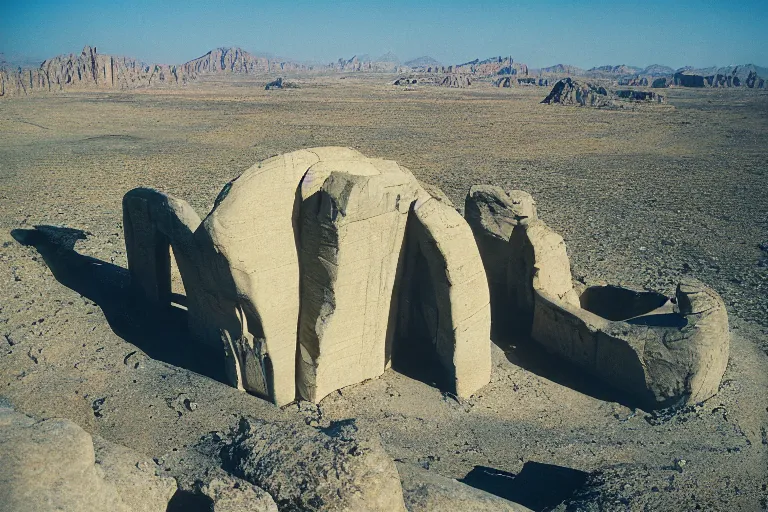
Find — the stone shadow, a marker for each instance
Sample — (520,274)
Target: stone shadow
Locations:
(538,486)
(161,333)
(524,352)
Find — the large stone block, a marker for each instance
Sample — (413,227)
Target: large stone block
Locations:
(492,214)
(52,465)
(444,300)
(661,351)
(353,218)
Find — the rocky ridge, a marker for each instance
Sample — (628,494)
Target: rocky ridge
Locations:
(87,70)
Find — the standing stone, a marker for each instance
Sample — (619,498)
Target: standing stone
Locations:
(492,214)
(444,299)
(253,228)
(353,217)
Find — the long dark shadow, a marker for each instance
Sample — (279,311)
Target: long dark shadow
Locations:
(538,486)
(524,352)
(161,333)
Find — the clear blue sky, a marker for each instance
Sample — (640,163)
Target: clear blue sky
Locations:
(587,33)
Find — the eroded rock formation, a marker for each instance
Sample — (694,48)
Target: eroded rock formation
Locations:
(570,92)
(492,214)
(662,352)
(458,81)
(324,253)
(53,464)
(90,70)
(646,96)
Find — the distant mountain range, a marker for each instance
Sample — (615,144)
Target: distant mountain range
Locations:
(91,70)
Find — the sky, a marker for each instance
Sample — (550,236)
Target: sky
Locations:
(583,33)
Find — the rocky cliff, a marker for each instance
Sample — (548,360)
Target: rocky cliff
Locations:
(237,60)
(89,70)
(747,75)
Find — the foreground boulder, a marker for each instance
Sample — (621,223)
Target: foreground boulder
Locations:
(444,299)
(293,273)
(333,469)
(662,352)
(492,214)
(55,465)
(426,491)
(570,92)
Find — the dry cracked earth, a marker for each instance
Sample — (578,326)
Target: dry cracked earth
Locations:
(641,195)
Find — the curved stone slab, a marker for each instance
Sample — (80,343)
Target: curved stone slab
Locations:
(444,294)
(253,228)
(663,354)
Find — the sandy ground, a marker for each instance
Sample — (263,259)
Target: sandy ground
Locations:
(641,196)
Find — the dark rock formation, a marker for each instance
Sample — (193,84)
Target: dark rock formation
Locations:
(637,81)
(275,84)
(570,92)
(504,81)
(647,96)
(661,83)
(454,80)
(748,75)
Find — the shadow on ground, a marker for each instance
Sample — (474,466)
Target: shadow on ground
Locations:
(526,353)
(160,333)
(538,486)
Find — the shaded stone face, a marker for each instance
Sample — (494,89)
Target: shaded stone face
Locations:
(661,352)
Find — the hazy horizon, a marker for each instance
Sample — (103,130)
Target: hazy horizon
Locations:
(547,33)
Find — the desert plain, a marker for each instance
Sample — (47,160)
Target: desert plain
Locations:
(642,195)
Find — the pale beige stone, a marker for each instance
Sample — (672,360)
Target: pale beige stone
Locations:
(52,465)
(426,491)
(661,353)
(444,294)
(353,217)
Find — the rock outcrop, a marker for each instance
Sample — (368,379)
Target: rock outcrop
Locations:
(299,291)
(89,70)
(492,214)
(334,469)
(237,60)
(426,491)
(661,352)
(444,300)
(53,464)
(748,75)
(570,92)
(457,81)
(274,84)
(644,96)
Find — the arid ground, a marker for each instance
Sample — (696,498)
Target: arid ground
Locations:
(641,195)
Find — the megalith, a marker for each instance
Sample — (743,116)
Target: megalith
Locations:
(353,217)
(253,231)
(295,272)
(492,214)
(661,351)
(444,299)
